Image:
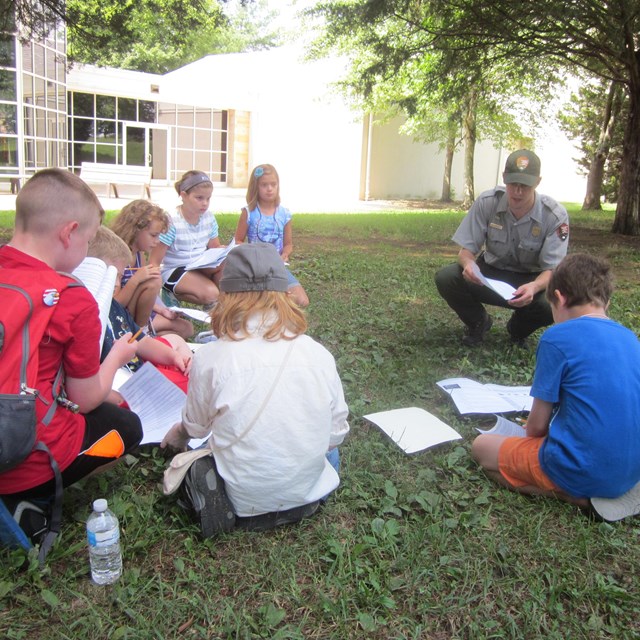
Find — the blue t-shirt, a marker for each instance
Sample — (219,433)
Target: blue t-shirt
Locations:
(268,229)
(589,368)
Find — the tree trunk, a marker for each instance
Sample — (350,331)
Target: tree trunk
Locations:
(596,170)
(627,220)
(448,164)
(469,124)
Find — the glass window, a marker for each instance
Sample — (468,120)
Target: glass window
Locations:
(106,129)
(203,139)
(7,51)
(40,91)
(126,109)
(184,137)
(8,118)
(38,59)
(27,57)
(83,104)
(105,106)
(82,129)
(185,117)
(7,85)
(203,119)
(106,153)
(27,88)
(147,111)
(41,123)
(50,71)
(202,161)
(29,121)
(8,153)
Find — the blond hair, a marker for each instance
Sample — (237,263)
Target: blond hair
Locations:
(136,216)
(252,188)
(52,197)
(282,318)
(109,247)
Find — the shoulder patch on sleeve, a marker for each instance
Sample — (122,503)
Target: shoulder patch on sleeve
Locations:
(563,231)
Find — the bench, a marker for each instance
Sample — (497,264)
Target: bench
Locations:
(116,174)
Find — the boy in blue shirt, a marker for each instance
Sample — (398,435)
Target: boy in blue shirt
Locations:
(582,439)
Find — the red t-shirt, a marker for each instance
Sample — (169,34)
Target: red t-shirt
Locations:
(73,339)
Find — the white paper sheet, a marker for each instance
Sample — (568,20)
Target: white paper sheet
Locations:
(413,429)
(196,314)
(504,427)
(470,396)
(503,289)
(157,401)
(100,281)
(210,258)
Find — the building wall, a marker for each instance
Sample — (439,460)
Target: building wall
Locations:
(33,103)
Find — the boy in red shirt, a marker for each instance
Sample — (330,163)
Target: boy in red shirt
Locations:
(57,215)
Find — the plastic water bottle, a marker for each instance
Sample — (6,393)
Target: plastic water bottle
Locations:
(103,535)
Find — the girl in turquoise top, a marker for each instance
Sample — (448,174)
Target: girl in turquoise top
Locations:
(264,219)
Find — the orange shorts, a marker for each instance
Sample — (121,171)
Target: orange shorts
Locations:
(519,463)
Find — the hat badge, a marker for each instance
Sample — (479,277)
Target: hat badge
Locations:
(522,162)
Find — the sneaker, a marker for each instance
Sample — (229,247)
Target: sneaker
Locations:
(612,509)
(205,493)
(475,333)
(33,519)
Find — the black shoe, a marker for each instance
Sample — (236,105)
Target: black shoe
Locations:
(33,518)
(204,490)
(475,333)
(516,341)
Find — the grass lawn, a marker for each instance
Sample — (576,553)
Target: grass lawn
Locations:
(420,546)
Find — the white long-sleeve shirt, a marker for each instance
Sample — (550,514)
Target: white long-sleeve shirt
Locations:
(280,463)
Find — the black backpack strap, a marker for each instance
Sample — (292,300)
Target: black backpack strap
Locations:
(56,510)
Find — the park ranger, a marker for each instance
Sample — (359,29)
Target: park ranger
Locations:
(512,234)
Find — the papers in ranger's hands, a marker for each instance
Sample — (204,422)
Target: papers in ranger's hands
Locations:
(157,401)
(470,396)
(196,314)
(504,427)
(413,429)
(100,280)
(503,289)
(210,258)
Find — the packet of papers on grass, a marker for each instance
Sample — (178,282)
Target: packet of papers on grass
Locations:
(413,429)
(470,396)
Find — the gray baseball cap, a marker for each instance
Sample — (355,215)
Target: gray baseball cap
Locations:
(254,267)
(522,167)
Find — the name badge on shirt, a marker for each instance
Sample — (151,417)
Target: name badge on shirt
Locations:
(495,225)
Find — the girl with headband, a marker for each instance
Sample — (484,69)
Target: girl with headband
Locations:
(192,230)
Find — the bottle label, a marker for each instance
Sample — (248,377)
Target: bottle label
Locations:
(103,538)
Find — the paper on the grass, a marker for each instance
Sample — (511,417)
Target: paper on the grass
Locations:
(100,280)
(210,258)
(157,401)
(470,396)
(196,314)
(504,427)
(413,429)
(503,289)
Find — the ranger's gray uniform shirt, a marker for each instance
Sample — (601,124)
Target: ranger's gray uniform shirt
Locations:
(536,242)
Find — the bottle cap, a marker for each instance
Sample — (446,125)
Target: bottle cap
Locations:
(100,505)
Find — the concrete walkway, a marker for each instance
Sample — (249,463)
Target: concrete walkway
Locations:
(227,200)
